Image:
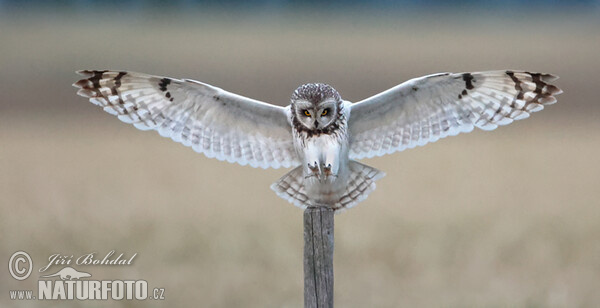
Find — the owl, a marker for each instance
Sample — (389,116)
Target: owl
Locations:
(319,135)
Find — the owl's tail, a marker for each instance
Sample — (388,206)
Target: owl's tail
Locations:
(361,182)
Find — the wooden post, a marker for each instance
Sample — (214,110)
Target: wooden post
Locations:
(318,257)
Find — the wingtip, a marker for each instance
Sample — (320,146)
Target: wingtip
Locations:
(549,77)
(553,90)
(85,73)
(83,83)
(86,93)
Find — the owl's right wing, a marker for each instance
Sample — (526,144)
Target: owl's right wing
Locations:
(212,121)
(428,108)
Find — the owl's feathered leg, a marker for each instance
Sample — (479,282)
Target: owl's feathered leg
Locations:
(322,157)
(315,168)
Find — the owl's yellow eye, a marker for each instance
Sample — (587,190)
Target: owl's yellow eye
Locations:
(324,112)
(306,113)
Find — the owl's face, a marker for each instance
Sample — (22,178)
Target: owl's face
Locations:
(316,108)
(316,116)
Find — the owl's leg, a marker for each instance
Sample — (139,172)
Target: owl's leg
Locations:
(327,169)
(315,168)
(313,161)
(331,164)
(322,159)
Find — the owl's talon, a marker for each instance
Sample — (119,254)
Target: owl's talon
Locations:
(327,169)
(314,168)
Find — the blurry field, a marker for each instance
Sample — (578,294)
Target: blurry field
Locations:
(508,218)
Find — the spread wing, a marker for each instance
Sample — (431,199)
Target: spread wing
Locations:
(426,109)
(208,119)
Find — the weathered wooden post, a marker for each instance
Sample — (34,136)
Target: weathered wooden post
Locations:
(318,257)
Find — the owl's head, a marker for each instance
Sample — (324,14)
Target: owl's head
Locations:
(316,108)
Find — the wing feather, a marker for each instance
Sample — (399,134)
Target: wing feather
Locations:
(425,109)
(210,120)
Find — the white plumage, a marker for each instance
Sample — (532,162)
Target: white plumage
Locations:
(318,134)
(210,120)
(425,109)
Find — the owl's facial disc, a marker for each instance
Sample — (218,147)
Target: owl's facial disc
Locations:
(316,116)
(315,107)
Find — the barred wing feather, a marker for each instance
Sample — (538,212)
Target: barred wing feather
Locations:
(210,120)
(425,109)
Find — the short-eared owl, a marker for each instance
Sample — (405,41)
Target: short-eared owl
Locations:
(319,134)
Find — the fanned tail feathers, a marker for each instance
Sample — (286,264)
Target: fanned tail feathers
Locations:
(291,188)
(361,183)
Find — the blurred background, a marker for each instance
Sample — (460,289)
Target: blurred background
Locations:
(508,218)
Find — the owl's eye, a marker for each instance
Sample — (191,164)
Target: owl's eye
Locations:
(307,113)
(325,112)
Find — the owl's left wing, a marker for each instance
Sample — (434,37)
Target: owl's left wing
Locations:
(428,108)
(212,121)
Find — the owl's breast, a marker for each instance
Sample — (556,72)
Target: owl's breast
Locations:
(319,148)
